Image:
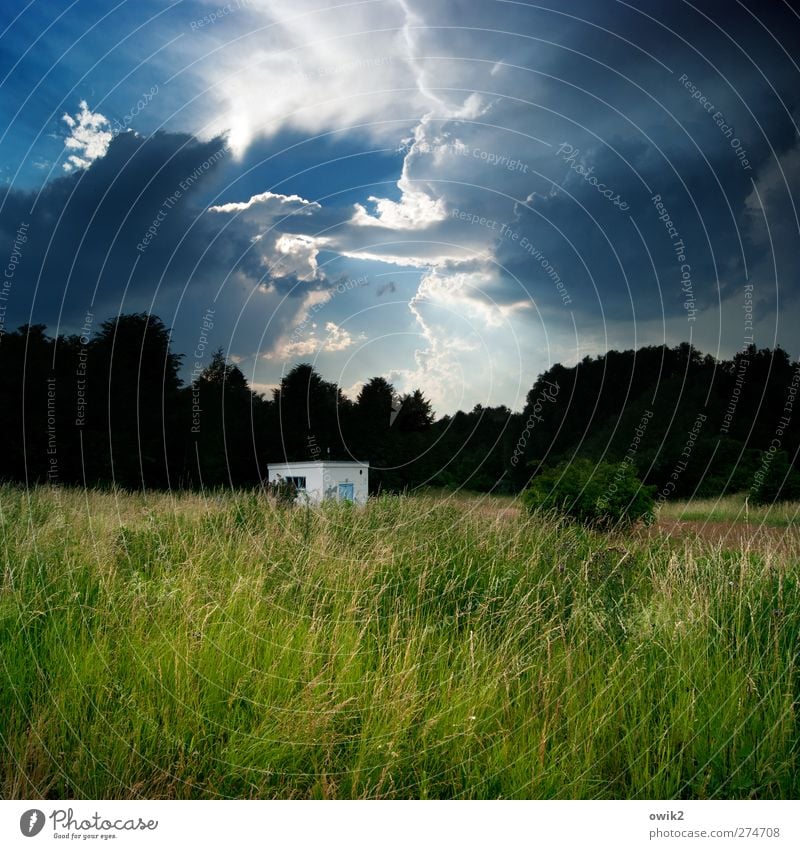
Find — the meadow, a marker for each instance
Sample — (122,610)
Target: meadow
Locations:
(218,645)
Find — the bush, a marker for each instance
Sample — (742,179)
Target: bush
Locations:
(600,494)
(283,491)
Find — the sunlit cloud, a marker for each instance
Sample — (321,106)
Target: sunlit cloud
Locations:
(88,139)
(330,339)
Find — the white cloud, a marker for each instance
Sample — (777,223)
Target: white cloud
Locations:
(300,65)
(313,67)
(295,255)
(284,254)
(414,211)
(333,340)
(89,137)
(270,205)
(468,341)
(467,294)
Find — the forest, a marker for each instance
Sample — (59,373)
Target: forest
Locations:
(112,409)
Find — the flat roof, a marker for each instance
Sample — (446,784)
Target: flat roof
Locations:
(319,463)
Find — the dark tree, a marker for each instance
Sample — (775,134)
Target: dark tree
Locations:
(227,427)
(311,416)
(373,430)
(376,404)
(112,409)
(415,413)
(134,386)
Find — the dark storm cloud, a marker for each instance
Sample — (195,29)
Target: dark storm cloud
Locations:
(132,232)
(682,134)
(120,229)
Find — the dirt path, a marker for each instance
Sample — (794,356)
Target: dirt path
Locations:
(731,535)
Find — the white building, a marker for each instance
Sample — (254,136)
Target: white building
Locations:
(344,480)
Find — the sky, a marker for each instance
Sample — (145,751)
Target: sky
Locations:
(452,194)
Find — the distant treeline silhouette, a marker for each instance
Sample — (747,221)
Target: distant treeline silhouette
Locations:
(112,409)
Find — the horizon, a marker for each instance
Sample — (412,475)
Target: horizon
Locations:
(188,374)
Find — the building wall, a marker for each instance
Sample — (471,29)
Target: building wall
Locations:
(334,475)
(322,480)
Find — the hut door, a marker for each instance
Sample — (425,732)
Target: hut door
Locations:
(345,492)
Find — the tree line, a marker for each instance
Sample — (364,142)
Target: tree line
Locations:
(112,409)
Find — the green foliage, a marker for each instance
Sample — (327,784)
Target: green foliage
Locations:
(599,494)
(775,480)
(283,491)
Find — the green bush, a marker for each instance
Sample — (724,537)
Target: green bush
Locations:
(283,491)
(599,494)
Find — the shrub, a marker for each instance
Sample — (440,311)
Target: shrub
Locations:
(600,494)
(283,491)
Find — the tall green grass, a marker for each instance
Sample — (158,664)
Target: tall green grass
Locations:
(183,647)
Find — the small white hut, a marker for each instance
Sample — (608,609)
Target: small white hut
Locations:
(344,480)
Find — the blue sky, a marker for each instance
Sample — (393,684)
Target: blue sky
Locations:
(451,194)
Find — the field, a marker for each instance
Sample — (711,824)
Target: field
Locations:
(733,509)
(192,646)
